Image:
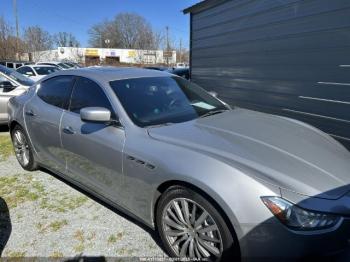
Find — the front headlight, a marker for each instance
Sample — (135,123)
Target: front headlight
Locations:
(297,218)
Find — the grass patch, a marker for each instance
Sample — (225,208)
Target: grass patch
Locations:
(15,254)
(18,189)
(57,225)
(6,148)
(79,248)
(79,235)
(56,254)
(114,238)
(63,204)
(53,226)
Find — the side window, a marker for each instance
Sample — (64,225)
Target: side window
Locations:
(56,91)
(87,93)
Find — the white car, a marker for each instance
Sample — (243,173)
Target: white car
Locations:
(12,84)
(59,65)
(182,65)
(36,72)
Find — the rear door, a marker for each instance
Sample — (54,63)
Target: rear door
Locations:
(43,116)
(93,150)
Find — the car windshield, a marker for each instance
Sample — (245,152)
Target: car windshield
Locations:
(14,75)
(161,100)
(41,70)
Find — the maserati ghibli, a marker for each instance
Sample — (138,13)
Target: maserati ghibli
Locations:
(215,181)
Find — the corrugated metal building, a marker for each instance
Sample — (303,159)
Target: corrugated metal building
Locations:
(289,57)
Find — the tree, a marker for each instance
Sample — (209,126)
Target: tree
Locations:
(65,39)
(126,30)
(37,39)
(103,31)
(8,42)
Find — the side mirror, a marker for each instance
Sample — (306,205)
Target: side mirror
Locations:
(95,114)
(6,84)
(213,93)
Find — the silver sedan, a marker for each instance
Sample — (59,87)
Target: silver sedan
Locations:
(216,182)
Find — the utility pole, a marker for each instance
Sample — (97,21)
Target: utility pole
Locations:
(167,44)
(180,57)
(167,38)
(17,30)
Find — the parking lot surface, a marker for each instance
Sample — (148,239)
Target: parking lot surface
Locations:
(42,216)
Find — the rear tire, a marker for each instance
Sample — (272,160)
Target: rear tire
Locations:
(190,226)
(23,149)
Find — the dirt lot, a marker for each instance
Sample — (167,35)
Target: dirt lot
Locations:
(43,216)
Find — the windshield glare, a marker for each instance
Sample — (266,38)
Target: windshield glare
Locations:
(14,75)
(161,100)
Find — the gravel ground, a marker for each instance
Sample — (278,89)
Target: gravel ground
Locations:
(50,218)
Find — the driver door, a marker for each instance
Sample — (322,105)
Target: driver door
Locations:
(93,151)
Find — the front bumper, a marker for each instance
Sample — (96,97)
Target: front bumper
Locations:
(272,240)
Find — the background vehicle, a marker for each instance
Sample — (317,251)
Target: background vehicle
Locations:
(59,65)
(14,64)
(182,65)
(159,68)
(215,182)
(12,84)
(182,72)
(36,72)
(72,64)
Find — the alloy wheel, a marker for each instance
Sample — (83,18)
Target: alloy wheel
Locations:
(190,230)
(21,147)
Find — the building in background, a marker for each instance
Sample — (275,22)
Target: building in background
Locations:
(110,56)
(288,57)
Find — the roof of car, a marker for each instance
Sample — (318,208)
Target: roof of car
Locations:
(35,65)
(107,74)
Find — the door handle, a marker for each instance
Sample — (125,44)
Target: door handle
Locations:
(30,113)
(68,130)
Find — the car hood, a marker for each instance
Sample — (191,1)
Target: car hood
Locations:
(285,152)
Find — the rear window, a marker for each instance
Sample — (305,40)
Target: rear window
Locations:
(45,70)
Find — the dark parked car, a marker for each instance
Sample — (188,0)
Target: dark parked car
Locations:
(183,72)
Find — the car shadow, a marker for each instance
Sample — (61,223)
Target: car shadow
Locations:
(86,259)
(5,225)
(153,233)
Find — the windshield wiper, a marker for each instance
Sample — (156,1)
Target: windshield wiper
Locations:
(213,112)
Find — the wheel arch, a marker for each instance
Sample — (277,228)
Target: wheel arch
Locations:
(180,183)
(13,124)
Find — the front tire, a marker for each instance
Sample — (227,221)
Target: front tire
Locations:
(23,149)
(190,226)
